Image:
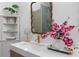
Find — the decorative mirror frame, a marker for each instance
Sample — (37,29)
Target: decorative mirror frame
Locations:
(32,16)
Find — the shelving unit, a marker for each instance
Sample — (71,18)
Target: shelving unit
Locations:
(10,27)
(9,24)
(10,31)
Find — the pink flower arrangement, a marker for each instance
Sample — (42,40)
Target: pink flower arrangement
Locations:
(60,32)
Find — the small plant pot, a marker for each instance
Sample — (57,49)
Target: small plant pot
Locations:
(6,12)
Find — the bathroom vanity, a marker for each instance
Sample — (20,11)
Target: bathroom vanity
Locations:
(25,49)
(15,54)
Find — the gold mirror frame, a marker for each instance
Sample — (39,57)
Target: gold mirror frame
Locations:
(32,16)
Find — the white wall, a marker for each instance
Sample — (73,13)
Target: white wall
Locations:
(25,20)
(62,10)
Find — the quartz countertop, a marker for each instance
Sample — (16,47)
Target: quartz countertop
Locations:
(30,49)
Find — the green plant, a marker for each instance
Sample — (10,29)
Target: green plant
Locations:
(12,9)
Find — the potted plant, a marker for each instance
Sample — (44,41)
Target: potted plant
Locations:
(60,33)
(11,10)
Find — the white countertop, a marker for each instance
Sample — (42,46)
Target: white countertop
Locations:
(34,50)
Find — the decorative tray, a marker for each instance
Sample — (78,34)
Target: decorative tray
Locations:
(60,50)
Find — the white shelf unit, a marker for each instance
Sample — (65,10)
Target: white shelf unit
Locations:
(10,31)
(9,24)
(10,27)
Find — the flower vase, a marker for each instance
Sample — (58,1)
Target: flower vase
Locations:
(58,43)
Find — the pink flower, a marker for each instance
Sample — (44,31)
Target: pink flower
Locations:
(65,23)
(67,34)
(63,30)
(70,27)
(54,26)
(67,29)
(52,32)
(43,35)
(68,41)
(60,31)
(54,35)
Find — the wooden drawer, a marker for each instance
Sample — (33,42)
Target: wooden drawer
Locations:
(15,54)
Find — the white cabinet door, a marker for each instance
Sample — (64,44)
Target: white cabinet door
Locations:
(6,48)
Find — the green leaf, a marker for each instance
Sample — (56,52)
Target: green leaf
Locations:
(15,6)
(6,8)
(10,9)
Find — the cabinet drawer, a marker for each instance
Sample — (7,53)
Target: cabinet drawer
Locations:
(15,54)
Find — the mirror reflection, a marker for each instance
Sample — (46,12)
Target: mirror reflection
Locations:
(41,16)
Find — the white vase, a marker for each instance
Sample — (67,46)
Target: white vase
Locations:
(58,43)
(6,12)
